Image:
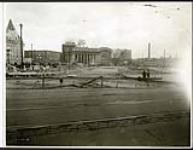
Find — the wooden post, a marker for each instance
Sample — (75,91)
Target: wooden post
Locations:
(117,84)
(101,81)
(43,81)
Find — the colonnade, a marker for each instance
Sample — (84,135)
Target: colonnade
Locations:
(80,57)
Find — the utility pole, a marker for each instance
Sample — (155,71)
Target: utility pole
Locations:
(21,45)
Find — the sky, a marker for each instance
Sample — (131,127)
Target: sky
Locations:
(126,25)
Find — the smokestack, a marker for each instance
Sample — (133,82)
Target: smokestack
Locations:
(149,50)
(21,44)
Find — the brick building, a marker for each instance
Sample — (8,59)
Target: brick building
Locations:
(43,56)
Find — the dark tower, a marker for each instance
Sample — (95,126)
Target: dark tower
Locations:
(67,49)
(149,50)
(21,44)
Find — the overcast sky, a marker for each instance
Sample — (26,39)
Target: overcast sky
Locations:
(116,25)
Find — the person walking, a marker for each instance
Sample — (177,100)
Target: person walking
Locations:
(148,77)
(144,74)
(61,81)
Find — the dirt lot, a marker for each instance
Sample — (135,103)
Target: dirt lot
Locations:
(27,107)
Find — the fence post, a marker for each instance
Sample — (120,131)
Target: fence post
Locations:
(43,81)
(117,84)
(101,81)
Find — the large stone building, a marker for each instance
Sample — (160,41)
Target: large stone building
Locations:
(85,55)
(13,50)
(43,56)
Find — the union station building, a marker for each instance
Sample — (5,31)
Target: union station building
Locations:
(85,55)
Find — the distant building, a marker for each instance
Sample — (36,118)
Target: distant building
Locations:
(105,56)
(122,53)
(156,62)
(121,56)
(13,50)
(85,55)
(42,56)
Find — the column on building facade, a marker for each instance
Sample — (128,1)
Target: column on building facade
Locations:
(64,56)
(68,57)
(86,55)
(93,59)
(88,58)
(75,56)
(83,58)
(78,57)
(77,53)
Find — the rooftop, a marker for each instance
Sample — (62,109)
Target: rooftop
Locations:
(35,50)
